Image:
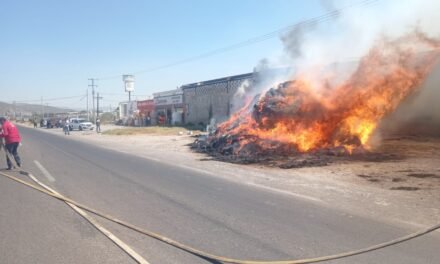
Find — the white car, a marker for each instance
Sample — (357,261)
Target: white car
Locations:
(80,124)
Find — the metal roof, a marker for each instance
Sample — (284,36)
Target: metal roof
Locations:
(220,80)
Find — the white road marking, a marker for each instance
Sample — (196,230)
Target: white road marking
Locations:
(138,258)
(44,171)
(306,197)
(209,173)
(253,184)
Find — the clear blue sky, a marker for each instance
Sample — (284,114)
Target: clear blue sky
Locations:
(50,48)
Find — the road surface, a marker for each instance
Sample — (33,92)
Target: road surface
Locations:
(205,212)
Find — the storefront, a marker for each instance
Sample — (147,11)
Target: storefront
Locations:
(126,109)
(169,107)
(127,112)
(146,112)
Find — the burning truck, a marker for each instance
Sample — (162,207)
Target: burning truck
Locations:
(312,119)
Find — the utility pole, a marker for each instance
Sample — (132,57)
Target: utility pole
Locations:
(15,110)
(129,87)
(87,106)
(47,110)
(42,108)
(93,96)
(97,105)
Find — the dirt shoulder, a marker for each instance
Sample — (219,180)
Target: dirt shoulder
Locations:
(405,191)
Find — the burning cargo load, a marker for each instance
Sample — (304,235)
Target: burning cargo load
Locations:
(312,118)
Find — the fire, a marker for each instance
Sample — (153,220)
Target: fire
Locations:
(310,114)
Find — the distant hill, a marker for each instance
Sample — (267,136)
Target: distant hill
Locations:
(29,109)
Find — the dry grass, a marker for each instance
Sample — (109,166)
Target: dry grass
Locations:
(154,130)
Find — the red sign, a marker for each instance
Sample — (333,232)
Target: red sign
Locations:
(145,106)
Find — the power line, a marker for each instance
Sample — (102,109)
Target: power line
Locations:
(50,99)
(122,94)
(312,21)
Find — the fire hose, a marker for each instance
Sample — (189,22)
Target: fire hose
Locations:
(210,256)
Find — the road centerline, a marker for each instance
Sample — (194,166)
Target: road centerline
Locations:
(44,171)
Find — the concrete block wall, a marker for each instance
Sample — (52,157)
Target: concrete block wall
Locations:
(216,96)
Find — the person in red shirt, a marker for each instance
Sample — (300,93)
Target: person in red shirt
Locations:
(12,140)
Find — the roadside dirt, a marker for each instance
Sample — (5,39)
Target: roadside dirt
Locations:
(405,191)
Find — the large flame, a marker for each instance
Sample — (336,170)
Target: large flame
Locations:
(310,113)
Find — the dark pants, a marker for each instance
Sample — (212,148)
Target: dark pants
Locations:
(12,149)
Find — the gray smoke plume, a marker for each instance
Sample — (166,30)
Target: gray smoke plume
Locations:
(420,114)
(293,39)
(329,53)
(262,65)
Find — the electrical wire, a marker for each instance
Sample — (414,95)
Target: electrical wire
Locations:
(49,99)
(312,21)
(219,258)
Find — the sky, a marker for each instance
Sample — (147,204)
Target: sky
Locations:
(50,48)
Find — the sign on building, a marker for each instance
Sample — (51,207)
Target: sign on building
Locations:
(146,106)
(174,97)
(169,100)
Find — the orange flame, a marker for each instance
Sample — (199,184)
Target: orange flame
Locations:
(312,114)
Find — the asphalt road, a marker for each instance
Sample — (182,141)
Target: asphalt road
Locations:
(202,211)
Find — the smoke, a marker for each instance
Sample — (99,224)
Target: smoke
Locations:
(263,65)
(420,114)
(265,75)
(241,96)
(329,52)
(355,30)
(293,39)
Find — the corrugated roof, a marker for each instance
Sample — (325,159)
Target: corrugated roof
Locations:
(220,80)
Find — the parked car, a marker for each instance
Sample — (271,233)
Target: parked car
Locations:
(48,123)
(58,123)
(80,124)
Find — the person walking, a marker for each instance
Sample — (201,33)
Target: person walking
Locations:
(66,127)
(98,125)
(12,141)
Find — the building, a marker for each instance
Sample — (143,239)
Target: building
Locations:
(212,99)
(169,107)
(200,103)
(126,109)
(146,107)
(147,112)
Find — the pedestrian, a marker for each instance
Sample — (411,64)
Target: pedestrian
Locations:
(12,141)
(66,127)
(98,125)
